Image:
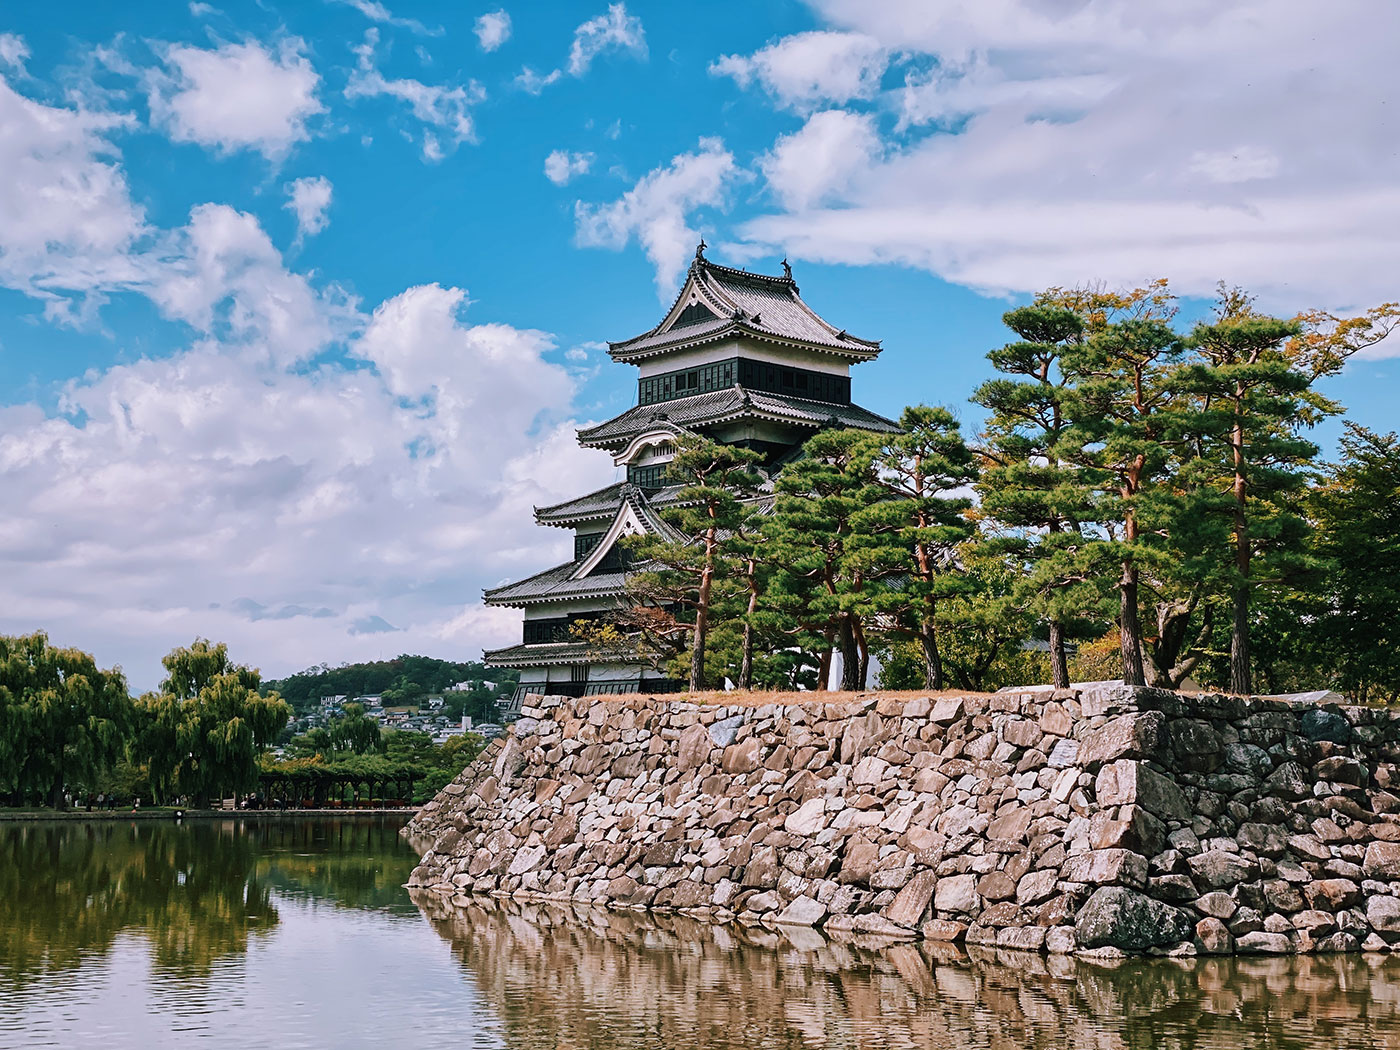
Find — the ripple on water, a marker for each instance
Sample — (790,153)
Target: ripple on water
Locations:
(294,936)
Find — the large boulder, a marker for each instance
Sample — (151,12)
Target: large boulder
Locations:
(1117,917)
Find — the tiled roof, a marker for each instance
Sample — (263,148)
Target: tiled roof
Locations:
(746,303)
(554,584)
(551,653)
(701,410)
(600,504)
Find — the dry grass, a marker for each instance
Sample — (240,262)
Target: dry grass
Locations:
(757,698)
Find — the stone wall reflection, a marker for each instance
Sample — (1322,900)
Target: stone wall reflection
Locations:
(562,975)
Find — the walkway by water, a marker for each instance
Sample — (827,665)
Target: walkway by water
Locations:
(246,933)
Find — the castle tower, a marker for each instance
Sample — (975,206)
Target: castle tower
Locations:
(738,358)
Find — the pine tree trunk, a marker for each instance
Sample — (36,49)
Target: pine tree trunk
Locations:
(1059,665)
(1241,680)
(1130,634)
(933,662)
(746,660)
(824,663)
(850,656)
(702,614)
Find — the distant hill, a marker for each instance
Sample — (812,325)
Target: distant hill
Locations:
(404,679)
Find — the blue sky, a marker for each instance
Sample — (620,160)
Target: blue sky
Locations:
(301,303)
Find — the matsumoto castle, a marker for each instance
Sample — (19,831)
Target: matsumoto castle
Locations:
(738,358)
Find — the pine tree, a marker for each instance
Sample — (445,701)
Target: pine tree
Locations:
(1251,404)
(817,581)
(1122,409)
(904,543)
(684,569)
(1026,487)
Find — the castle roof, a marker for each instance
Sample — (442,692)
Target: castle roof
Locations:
(699,411)
(718,302)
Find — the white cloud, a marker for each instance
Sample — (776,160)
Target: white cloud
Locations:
(493,30)
(293,513)
(13,51)
(810,69)
(561,165)
(1023,158)
(614,30)
(443,110)
(67,220)
(377,12)
(822,158)
(309,199)
(657,208)
(238,96)
(221,275)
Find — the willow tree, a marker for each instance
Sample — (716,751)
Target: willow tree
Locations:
(905,539)
(204,730)
(62,719)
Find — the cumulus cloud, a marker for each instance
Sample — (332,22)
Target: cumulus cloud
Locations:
(238,96)
(614,30)
(295,513)
(492,30)
(443,111)
(561,165)
(309,199)
(822,158)
(1021,158)
(68,224)
(811,69)
(656,210)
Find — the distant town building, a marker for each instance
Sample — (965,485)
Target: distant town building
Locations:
(739,358)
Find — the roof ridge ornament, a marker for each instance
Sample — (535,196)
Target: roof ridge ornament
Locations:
(700,251)
(787,270)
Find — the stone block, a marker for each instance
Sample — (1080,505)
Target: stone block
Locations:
(1141,734)
(1119,917)
(1219,869)
(808,818)
(802,911)
(912,901)
(1382,861)
(1127,782)
(1107,867)
(946,710)
(956,894)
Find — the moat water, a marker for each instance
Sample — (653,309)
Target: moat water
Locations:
(299,934)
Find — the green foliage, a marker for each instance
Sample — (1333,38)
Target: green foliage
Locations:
(906,538)
(684,573)
(404,679)
(818,577)
(62,720)
(1039,509)
(202,733)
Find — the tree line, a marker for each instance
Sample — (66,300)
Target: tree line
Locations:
(406,679)
(1143,502)
(70,729)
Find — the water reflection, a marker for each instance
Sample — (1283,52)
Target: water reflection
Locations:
(197,893)
(563,976)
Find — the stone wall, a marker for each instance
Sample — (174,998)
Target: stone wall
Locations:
(1101,818)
